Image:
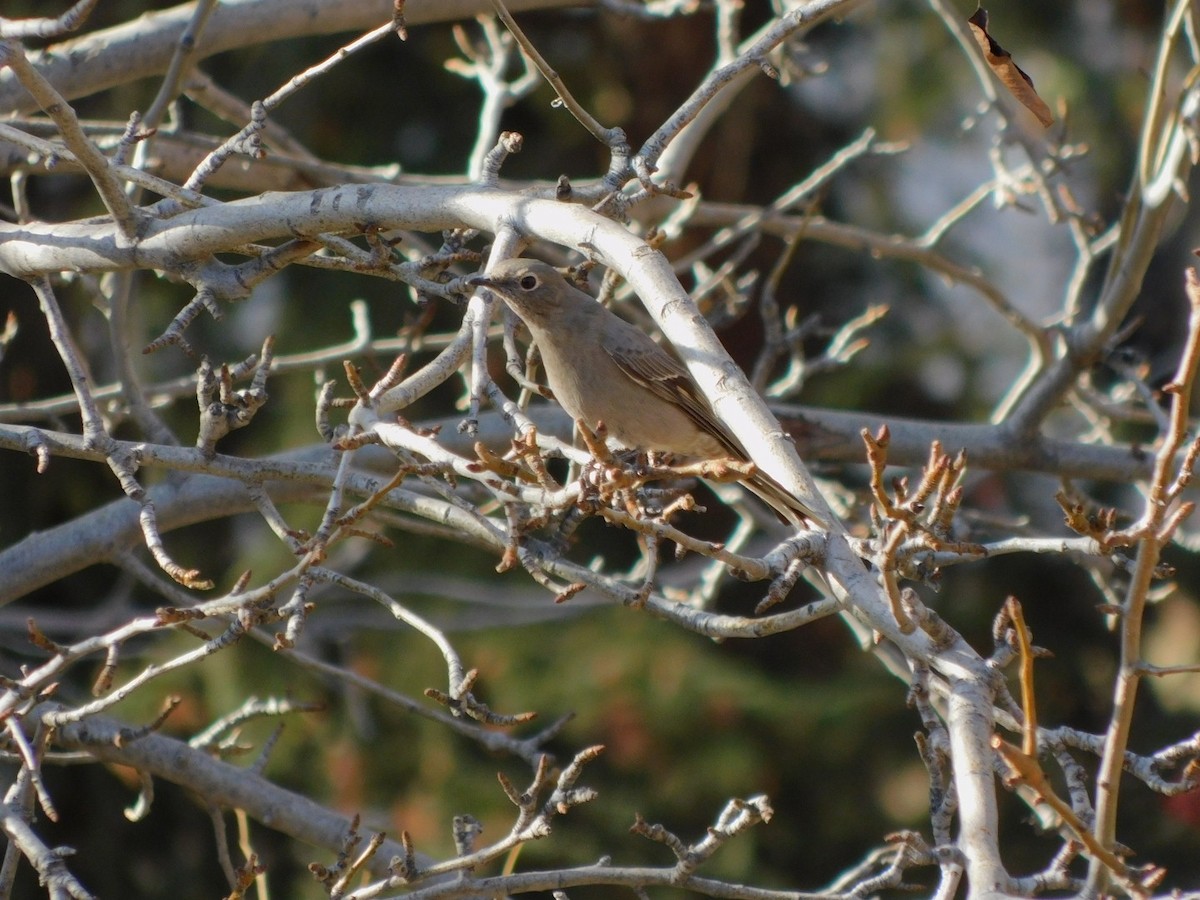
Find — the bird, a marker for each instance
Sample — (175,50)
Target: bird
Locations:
(602,369)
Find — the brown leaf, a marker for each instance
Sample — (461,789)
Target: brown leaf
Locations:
(1018,83)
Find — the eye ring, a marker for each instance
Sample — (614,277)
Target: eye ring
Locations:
(528,282)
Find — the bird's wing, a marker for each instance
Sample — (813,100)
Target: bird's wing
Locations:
(654,368)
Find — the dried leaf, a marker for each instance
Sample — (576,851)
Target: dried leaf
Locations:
(1018,83)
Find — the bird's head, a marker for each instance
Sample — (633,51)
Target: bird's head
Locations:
(534,289)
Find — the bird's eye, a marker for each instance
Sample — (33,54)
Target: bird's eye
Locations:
(528,282)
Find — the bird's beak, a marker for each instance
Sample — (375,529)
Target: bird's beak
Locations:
(481,281)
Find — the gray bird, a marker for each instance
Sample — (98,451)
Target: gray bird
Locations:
(602,369)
